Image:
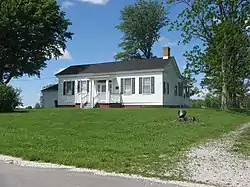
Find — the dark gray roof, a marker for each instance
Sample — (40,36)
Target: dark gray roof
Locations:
(108,67)
(50,87)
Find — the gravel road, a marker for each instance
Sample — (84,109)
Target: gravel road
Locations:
(216,164)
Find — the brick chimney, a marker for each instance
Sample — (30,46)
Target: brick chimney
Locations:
(166,52)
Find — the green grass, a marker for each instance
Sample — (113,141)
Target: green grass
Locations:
(242,145)
(139,141)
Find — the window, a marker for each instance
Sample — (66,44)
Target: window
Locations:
(128,86)
(167,88)
(146,85)
(101,88)
(164,87)
(175,90)
(82,86)
(69,88)
(187,92)
(179,88)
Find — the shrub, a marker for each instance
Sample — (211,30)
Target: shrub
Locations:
(9,98)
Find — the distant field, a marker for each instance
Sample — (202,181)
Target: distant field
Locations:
(140,141)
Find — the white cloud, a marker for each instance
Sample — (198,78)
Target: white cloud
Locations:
(97,2)
(66,55)
(67,4)
(166,42)
(201,95)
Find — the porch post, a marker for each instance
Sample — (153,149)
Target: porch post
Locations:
(107,91)
(92,83)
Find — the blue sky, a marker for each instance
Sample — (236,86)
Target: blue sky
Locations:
(95,40)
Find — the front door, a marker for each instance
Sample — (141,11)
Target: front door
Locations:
(101,88)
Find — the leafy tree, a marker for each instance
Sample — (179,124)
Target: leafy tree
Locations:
(141,23)
(41,100)
(32,32)
(190,81)
(37,106)
(223,53)
(10,98)
(197,103)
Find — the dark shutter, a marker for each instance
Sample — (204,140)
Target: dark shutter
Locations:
(164,87)
(122,85)
(64,88)
(152,85)
(73,87)
(133,85)
(87,86)
(78,86)
(182,89)
(140,85)
(167,88)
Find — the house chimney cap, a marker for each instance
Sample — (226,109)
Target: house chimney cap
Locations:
(166,52)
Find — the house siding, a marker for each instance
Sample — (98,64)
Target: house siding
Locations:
(170,76)
(143,99)
(49,97)
(134,99)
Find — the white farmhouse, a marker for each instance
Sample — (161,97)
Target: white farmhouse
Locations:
(135,83)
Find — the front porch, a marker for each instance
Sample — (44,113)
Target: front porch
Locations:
(99,92)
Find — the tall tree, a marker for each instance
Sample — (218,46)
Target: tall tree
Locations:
(141,23)
(222,28)
(32,32)
(190,81)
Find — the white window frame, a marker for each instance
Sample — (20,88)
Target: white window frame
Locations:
(82,82)
(125,89)
(147,93)
(68,87)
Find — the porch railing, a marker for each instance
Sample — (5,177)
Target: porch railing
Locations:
(115,98)
(83,99)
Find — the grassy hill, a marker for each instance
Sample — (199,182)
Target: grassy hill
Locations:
(142,141)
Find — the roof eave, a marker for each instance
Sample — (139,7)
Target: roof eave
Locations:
(112,73)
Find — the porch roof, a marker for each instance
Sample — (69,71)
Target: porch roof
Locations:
(109,67)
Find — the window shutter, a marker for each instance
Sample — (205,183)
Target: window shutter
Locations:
(64,88)
(87,86)
(182,91)
(133,85)
(122,85)
(140,85)
(164,87)
(152,85)
(78,86)
(73,87)
(167,88)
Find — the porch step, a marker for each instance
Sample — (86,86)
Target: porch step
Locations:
(88,105)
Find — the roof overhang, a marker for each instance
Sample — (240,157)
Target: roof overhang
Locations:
(110,74)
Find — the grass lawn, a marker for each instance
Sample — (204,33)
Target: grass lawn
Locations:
(242,145)
(139,141)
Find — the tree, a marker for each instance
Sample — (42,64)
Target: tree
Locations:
(41,100)
(32,32)
(223,52)
(10,98)
(190,81)
(141,23)
(37,106)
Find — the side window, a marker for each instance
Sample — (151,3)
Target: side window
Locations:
(164,87)
(175,90)
(167,88)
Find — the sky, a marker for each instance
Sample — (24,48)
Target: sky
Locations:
(95,40)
